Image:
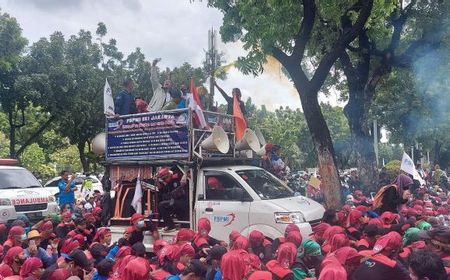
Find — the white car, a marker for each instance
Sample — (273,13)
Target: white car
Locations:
(52,185)
(22,194)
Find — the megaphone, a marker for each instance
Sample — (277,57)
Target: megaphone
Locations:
(249,141)
(217,141)
(260,136)
(99,143)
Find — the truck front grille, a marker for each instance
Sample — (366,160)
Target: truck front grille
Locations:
(30,207)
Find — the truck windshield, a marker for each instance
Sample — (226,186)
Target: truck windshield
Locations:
(17,179)
(265,184)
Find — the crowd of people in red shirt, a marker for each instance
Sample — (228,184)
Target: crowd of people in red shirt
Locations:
(394,236)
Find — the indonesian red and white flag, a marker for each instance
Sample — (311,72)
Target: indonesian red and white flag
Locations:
(195,105)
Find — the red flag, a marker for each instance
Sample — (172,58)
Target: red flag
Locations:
(195,93)
(195,106)
(240,125)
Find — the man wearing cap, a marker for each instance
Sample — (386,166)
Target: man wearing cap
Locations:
(381,262)
(33,250)
(440,241)
(65,226)
(139,226)
(124,102)
(173,196)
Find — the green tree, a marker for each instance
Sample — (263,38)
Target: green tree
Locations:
(13,102)
(294,32)
(398,36)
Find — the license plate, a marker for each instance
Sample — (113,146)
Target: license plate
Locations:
(34,215)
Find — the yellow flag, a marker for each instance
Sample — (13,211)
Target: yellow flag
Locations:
(314,182)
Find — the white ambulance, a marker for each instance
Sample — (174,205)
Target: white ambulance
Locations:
(22,194)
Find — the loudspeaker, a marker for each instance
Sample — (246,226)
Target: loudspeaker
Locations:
(217,141)
(99,144)
(260,136)
(250,141)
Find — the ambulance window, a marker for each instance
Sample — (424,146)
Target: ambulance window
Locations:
(223,187)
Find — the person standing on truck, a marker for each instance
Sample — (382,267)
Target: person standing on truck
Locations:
(161,94)
(229,100)
(173,196)
(124,102)
(66,190)
(175,101)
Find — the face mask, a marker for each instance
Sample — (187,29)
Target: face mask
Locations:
(140,224)
(204,233)
(23,237)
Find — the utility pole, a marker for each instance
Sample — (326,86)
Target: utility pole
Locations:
(211,61)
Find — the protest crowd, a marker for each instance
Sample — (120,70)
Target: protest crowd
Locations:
(402,233)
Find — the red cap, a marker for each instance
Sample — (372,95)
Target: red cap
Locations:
(136,217)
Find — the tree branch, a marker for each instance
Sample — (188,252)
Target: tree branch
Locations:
(302,37)
(421,47)
(35,135)
(343,41)
(291,64)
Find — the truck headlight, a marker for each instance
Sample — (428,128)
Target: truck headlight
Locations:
(51,198)
(5,202)
(289,218)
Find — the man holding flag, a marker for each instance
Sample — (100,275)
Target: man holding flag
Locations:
(230,100)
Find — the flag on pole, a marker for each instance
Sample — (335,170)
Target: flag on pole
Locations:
(108,102)
(409,167)
(137,198)
(240,125)
(195,106)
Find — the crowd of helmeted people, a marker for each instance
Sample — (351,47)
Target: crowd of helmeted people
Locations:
(391,237)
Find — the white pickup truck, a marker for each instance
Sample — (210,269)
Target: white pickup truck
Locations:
(249,197)
(22,194)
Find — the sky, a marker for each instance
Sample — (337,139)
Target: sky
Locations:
(174,30)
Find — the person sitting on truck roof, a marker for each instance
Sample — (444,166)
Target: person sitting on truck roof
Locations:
(174,199)
(124,102)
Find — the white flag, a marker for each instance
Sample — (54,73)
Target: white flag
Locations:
(409,167)
(108,102)
(137,198)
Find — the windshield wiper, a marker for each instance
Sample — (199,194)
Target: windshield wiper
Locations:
(13,187)
(34,186)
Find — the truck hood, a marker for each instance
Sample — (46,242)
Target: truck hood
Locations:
(310,209)
(26,196)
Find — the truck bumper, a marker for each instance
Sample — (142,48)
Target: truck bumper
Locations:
(9,214)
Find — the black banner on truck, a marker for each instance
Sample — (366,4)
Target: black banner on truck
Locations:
(148,136)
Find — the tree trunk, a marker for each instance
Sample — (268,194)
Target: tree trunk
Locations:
(12,135)
(355,111)
(331,185)
(84,162)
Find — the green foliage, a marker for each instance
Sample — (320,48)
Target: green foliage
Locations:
(66,159)
(33,159)
(393,168)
